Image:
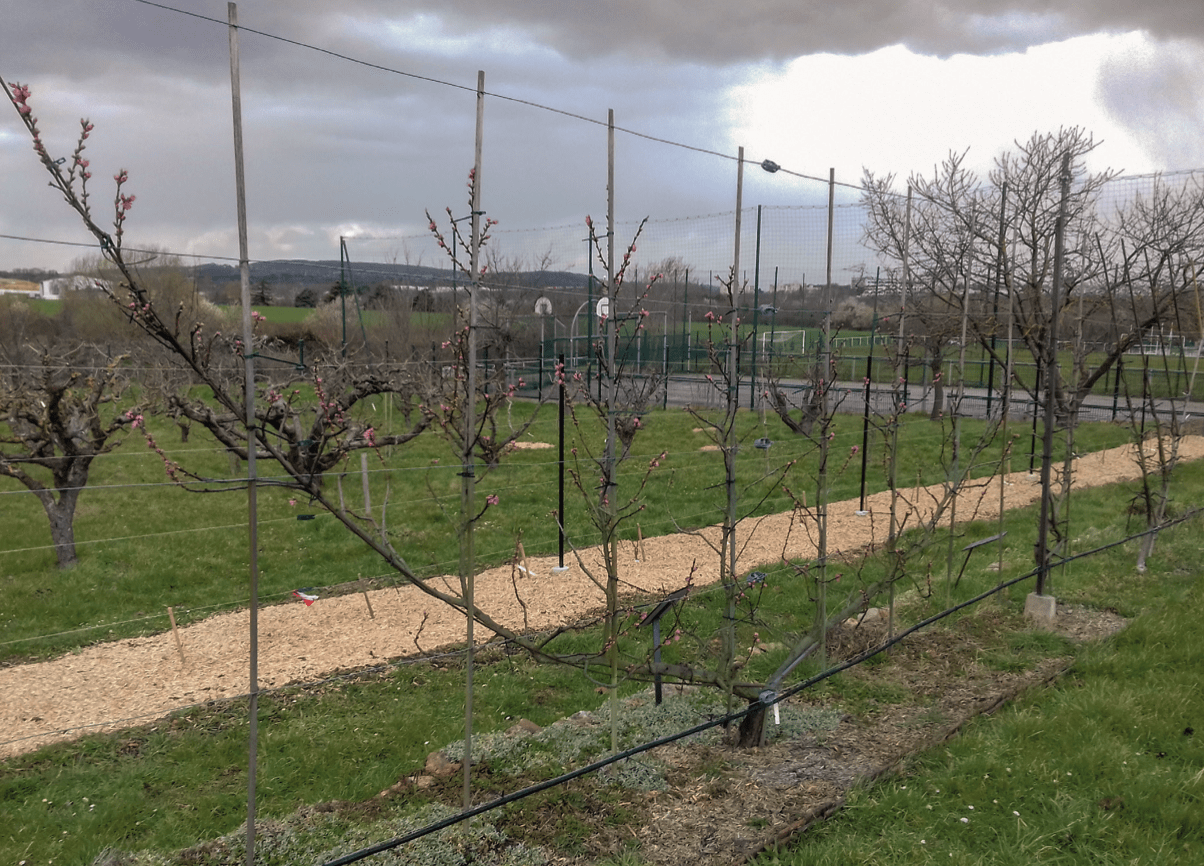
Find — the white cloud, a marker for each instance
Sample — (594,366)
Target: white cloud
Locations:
(896,111)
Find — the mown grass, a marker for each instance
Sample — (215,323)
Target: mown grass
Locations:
(181,781)
(1115,729)
(1106,768)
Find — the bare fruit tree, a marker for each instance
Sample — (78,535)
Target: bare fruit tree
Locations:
(1040,232)
(57,421)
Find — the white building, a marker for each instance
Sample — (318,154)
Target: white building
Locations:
(54,289)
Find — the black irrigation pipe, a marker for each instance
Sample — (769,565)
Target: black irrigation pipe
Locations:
(767,699)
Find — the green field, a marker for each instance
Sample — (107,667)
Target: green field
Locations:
(146,544)
(1114,730)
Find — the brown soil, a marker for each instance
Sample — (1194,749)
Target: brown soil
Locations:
(113,685)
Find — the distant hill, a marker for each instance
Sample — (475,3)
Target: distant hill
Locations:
(326,273)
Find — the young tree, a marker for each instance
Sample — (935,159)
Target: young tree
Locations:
(618,404)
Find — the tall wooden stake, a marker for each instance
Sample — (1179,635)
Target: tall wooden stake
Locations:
(244,267)
(826,376)
(727,567)
(1051,387)
(900,408)
(468,469)
(609,506)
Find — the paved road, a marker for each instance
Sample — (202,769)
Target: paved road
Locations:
(850,397)
(975,402)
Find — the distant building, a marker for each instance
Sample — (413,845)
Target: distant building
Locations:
(54,289)
(20,287)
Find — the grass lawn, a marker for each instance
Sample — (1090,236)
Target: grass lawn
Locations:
(145,544)
(1106,767)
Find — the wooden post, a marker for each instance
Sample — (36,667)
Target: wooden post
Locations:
(249,389)
(364,477)
(175,632)
(468,486)
(368,602)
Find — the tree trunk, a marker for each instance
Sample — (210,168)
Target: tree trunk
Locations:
(938,388)
(752,727)
(61,514)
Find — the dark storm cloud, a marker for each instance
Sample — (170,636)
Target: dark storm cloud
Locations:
(331,143)
(707,32)
(721,32)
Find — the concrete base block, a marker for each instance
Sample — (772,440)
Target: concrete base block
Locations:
(1041,610)
(558,569)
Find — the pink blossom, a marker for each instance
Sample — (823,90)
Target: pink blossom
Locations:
(492,499)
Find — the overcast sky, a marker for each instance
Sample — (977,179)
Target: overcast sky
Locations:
(337,148)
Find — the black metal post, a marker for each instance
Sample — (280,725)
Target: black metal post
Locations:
(1120,371)
(1032,445)
(865,420)
(560,508)
(685,323)
(752,391)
